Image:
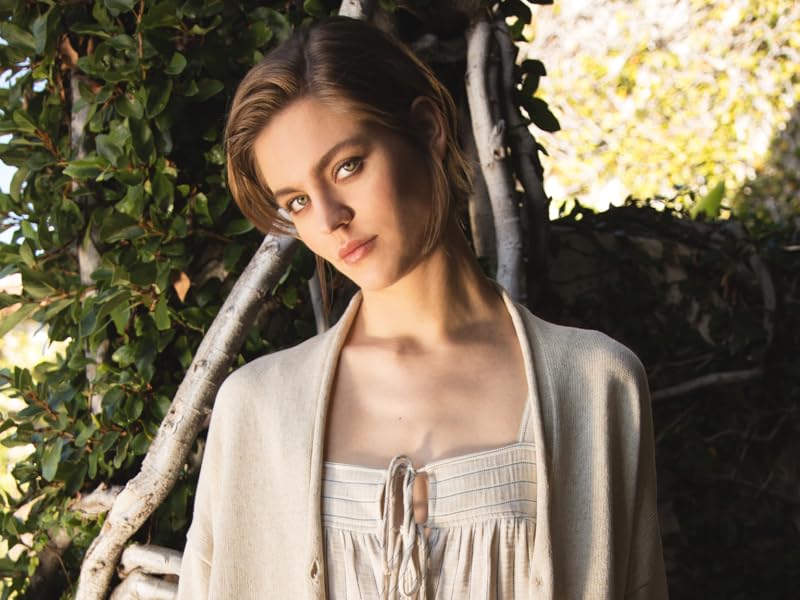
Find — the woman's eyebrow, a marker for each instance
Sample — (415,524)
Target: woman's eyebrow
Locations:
(326,158)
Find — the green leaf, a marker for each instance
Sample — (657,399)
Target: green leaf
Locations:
(108,149)
(133,203)
(17,36)
(140,443)
(162,14)
(86,168)
(108,304)
(163,192)
(92,460)
(122,452)
(94,29)
(24,122)
(39,29)
(200,205)
(108,440)
(133,408)
(289,297)
(56,307)
(16,317)
(143,143)
(51,457)
(540,114)
(124,356)
(75,479)
(128,105)
(176,64)
(315,8)
(238,227)
(120,316)
(84,433)
(161,314)
(119,6)
(207,88)
(158,97)
(26,254)
(710,203)
(29,232)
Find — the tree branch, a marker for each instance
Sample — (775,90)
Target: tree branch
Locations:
(527,165)
(356,9)
(491,152)
(138,586)
(150,559)
(721,378)
(194,399)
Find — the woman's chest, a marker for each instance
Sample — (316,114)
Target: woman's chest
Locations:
(428,408)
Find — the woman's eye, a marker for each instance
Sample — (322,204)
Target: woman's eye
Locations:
(350,166)
(301,202)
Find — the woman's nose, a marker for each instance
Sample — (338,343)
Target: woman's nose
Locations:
(332,212)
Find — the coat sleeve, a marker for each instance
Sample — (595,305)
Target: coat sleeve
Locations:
(195,574)
(646,578)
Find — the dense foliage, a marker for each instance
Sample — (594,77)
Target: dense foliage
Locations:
(694,298)
(154,79)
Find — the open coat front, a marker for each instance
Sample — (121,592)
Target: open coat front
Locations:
(256,532)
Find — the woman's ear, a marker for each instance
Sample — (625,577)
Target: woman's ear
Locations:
(429,121)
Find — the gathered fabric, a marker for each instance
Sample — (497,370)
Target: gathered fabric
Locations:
(481,516)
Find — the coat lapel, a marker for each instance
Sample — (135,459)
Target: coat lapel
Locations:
(335,337)
(525,324)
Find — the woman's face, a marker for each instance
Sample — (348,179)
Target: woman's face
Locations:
(346,183)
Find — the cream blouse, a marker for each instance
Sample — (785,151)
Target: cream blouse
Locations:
(481,516)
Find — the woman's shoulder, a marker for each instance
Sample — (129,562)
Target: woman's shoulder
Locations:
(572,352)
(279,371)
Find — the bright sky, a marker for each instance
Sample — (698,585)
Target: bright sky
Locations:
(6,173)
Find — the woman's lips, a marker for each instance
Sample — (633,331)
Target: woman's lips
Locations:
(354,250)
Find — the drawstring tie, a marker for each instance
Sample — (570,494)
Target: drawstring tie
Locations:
(410,578)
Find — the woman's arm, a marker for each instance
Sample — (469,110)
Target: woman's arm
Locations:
(646,571)
(195,575)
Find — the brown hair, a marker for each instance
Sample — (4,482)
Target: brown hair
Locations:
(349,64)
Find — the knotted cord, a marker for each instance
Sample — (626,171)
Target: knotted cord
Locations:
(404,540)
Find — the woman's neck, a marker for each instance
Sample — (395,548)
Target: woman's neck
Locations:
(440,302)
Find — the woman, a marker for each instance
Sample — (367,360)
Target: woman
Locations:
(439,440)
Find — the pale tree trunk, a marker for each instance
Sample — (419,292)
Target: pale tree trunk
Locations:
(527,165)
(489,139)
(139,586)
(479,207)
(192,403)
(315,293)
(150,559)
(356,9)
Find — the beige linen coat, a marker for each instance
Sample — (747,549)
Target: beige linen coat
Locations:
(256,530)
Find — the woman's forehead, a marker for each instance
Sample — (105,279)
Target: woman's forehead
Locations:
(303,136)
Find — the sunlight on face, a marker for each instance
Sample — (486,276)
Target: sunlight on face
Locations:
(342,181)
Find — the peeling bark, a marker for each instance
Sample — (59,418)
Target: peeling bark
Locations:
(138,586)
(356,9)
(98,502)
(150,559)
